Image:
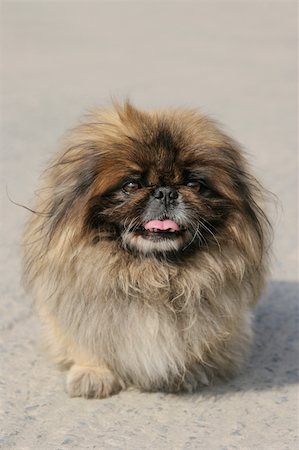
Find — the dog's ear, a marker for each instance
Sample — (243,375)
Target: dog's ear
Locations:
(69,180)
(65,189)
(249,226)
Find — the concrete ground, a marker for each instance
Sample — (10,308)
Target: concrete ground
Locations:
(235,60)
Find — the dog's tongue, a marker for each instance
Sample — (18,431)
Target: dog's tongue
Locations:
(162,225)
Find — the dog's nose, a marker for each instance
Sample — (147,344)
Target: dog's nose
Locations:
(166,194)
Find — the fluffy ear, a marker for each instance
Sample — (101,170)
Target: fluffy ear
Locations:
(64,193)
(251,195)
(65,182)
(250,227)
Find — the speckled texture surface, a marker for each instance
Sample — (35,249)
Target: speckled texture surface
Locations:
(236,60)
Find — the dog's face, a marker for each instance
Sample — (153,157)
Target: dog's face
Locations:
(155,183)
(161,198)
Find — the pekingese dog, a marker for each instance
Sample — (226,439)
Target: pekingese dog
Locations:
(146,252)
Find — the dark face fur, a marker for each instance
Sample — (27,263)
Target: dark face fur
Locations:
(165,188)
(155,183)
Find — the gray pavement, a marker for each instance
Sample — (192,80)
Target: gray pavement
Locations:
(234,60)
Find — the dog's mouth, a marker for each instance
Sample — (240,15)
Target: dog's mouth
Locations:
(160,229)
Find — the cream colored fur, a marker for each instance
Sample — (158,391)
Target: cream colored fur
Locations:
(152,324)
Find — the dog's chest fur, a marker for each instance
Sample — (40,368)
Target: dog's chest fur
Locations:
(149,322)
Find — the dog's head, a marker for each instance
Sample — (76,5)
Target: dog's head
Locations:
(156,183)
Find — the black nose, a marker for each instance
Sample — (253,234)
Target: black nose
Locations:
(166,194)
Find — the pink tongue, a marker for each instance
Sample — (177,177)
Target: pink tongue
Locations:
(162,225)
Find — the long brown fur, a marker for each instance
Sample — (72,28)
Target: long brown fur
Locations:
(118,310)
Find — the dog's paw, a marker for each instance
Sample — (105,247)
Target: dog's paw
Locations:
(92,382)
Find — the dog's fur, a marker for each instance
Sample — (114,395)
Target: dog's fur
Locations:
(119,310)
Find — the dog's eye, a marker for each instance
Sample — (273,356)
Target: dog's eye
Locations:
(131,186)
(200,186)
(194,184)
